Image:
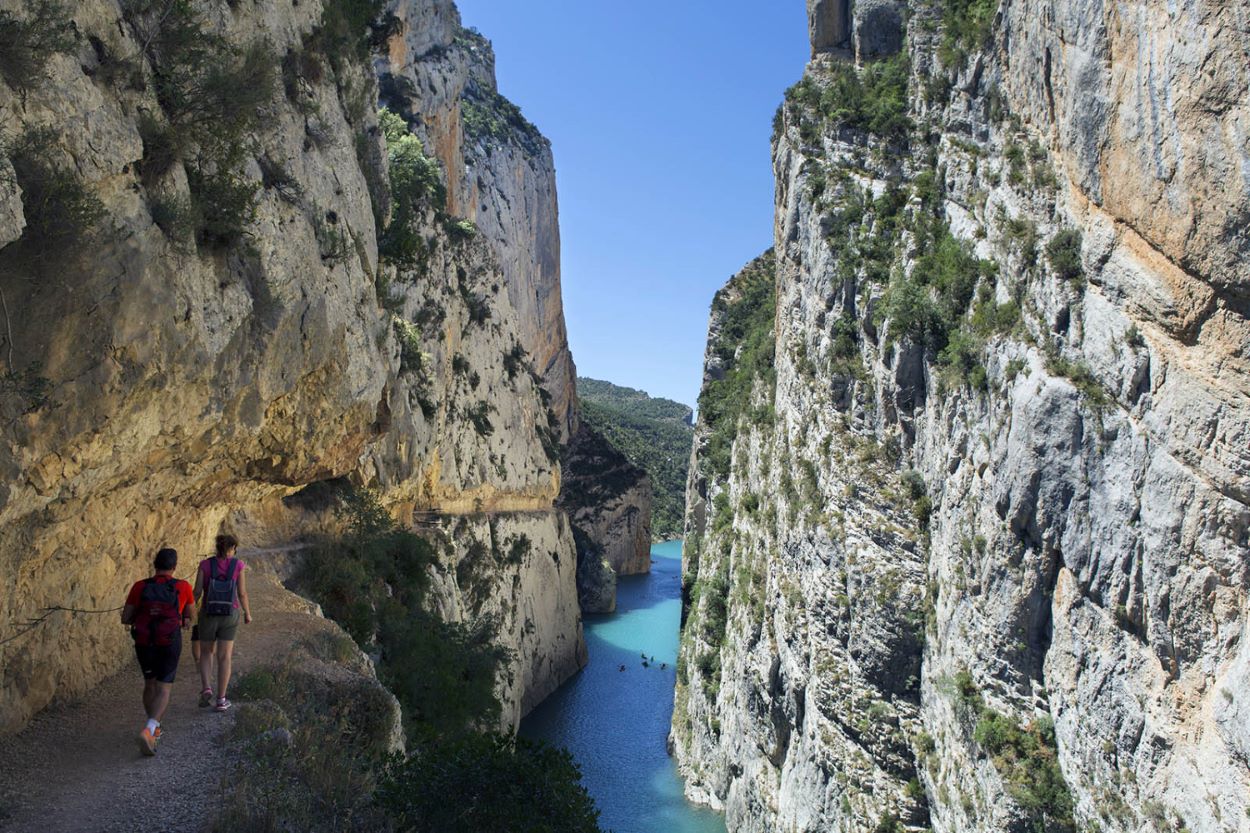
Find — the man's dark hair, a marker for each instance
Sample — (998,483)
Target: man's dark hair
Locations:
(166,559)
(225,543)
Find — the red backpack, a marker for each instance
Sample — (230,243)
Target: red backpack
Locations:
(159,615)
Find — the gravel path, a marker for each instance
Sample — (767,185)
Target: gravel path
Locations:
(77,768)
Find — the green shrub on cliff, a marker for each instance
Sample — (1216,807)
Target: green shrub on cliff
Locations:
(213,96)
(743,346)
(930,305)
(872,99)
(223,205)
(376,570)
(489,117)
(965,28)
(416,179)
(1025,755)
(1081,377)
(62,213)
(26,44)
(910,309)
(416,186)
(1028,760)
(345,30)
(1064,254)
(489,782)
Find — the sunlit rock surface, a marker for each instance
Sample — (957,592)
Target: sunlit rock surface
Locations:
(189,386)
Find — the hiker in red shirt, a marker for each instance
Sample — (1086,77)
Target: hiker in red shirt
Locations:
(157,610)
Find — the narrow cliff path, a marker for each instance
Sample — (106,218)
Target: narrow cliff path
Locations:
(77,767)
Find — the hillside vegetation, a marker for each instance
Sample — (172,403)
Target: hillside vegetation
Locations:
(654,434)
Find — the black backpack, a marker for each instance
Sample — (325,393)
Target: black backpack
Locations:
(219,593)
(159,616)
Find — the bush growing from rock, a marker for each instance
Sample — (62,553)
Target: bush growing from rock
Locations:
(27,44)
(213,99)
(489,782)
(1064,253)
(62,214)
(965,28)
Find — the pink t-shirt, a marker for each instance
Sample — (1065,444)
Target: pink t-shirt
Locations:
(218,566)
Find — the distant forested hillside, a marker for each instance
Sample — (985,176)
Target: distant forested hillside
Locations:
(653,433)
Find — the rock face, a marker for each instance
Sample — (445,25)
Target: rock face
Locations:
(877,28)
(163,380)
(529,596)
(865,28)
(502,176)
(12,221)
(973,554)
(829,23)
(609,503)
(503,179)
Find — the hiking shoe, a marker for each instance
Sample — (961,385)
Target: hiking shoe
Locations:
(222,704)
(147,743)
(206,698)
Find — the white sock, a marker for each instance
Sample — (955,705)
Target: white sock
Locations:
(153,725)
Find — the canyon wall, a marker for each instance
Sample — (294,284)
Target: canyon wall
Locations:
(972,554)
(503,180)
(201,325)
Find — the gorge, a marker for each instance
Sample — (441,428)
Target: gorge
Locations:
(967,508)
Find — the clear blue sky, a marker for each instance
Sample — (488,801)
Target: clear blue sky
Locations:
(659,112)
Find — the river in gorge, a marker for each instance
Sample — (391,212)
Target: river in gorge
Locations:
(615,722)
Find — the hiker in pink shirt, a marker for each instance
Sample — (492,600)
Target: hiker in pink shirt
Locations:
(221,589)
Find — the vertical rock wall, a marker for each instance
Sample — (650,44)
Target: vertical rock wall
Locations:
(502,177)
(978,557)
(156,386)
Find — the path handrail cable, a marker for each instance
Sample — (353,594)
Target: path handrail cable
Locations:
(47,613)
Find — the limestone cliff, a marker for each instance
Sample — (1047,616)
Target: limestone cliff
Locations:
(972,553)
(217,292)
(502,178)
(501,174)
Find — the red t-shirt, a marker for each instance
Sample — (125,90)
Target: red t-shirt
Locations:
(184,592)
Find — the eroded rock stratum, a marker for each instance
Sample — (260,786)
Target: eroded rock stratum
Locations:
(971,552)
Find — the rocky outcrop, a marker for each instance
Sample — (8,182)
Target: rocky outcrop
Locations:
(965,558)
(877,28)
(608,500)
(863,28)
(528,595)
(829,24)
(175,358)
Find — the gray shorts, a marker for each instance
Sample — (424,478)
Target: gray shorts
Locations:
(218,628)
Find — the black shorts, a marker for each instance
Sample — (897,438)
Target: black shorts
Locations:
(159,662)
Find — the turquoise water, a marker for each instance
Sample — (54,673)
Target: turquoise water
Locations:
(616,722)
